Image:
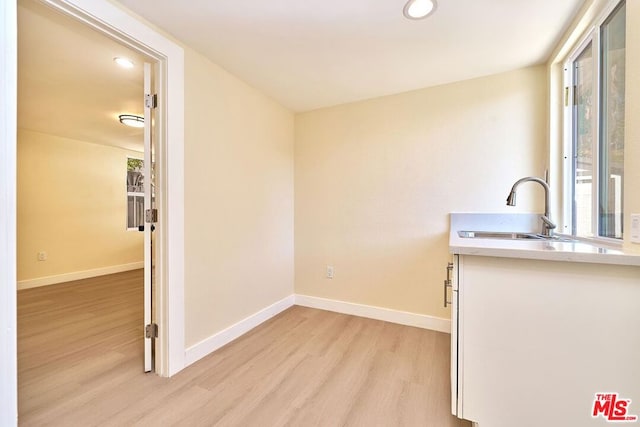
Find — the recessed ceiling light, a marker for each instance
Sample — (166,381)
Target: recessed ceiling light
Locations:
(418,9)
(131,120)
(123,62)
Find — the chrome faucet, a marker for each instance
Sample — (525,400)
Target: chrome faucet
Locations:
(547,225)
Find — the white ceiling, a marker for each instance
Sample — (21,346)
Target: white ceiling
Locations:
(68,84)
(305,54)
(308,54)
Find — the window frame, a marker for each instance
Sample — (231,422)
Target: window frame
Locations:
(132,193)
(591,35)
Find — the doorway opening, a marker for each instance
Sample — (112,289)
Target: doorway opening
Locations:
(72,205)
(117,24)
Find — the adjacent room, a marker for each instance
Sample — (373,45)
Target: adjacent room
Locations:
(80,205)
(399,213)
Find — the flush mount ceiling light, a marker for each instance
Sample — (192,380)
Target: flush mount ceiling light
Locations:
(419,9)
(123,62)
(131,120)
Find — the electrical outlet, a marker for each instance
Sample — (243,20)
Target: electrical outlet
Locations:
(42,256)
(330,271)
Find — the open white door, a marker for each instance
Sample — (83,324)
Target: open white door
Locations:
(151,217)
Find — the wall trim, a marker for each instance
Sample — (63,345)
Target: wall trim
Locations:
(224,337)
(78,275)
(214,342)
(378,313)
(8,122)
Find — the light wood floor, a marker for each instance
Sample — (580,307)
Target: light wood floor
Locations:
(80,363)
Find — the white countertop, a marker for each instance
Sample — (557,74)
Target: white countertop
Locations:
(575,251)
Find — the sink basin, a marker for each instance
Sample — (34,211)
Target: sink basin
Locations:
(511,235)
(508,235)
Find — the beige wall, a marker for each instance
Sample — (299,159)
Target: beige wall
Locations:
(632,121)
(238,200)
(72,203)
(376,180)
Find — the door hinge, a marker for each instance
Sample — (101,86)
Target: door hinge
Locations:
(151,215)
(151,331)
(151,101)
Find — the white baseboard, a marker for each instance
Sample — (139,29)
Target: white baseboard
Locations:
(78,275)
(214,342)
(224,337)
(388,315)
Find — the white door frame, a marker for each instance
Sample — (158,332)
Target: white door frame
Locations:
(8,117)
(116,23)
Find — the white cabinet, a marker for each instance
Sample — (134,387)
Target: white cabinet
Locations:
(534,341)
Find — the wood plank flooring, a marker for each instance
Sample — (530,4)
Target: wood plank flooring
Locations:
(80,364)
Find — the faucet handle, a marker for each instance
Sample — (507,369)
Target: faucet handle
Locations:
(548,223)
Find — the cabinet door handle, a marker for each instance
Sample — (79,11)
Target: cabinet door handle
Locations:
(447,283)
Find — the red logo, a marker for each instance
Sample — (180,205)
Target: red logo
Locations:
(612,408)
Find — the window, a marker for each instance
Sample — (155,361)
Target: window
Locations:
(595,75)
(135,193)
